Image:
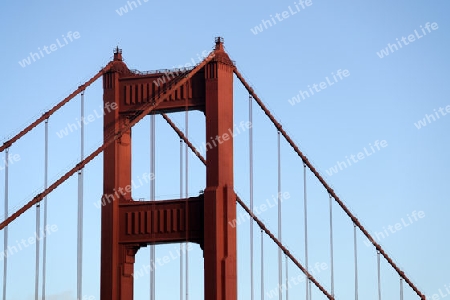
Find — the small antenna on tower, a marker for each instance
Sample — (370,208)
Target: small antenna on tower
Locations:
(117,53)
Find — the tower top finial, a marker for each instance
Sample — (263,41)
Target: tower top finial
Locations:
(219,43)
(117,53)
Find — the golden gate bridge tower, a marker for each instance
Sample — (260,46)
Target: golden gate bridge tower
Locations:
(128,224)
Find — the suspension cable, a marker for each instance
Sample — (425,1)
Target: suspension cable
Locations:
(80,209)
(5,233)
(280,266)
(305,211)
(309,288)
(287,278)
(37,248)
(379,275)
(401,288)
(250,147)
(186,186)
(44,238)
(325,184)
(355,247)
(55,108)
(181,244)
(252,215)
(262,264)
(331,246)
(152,198)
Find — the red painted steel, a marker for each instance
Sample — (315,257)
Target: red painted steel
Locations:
(128,225)
(162,221)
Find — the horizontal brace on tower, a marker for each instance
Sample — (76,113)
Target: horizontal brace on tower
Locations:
(161,222)
(136,91)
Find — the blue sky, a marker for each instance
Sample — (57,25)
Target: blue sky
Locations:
(401,98)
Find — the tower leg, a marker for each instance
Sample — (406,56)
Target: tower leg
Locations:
(116,282)
(220,199)
(126,266)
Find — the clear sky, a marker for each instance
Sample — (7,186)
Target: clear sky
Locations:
(362,88)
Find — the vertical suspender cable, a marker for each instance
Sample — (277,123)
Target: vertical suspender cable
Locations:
(331,247)
(80,209)
(309,289)
(355,246)
(379,275)
(262,264)
(152,198)
(181,244)
(287,276)
(187,196)
(5,231)
(280,267)
(401,288)
(250,147)
(38,248)
(44,238)
(305,208)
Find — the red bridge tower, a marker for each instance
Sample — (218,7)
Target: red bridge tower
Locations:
(128,225)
